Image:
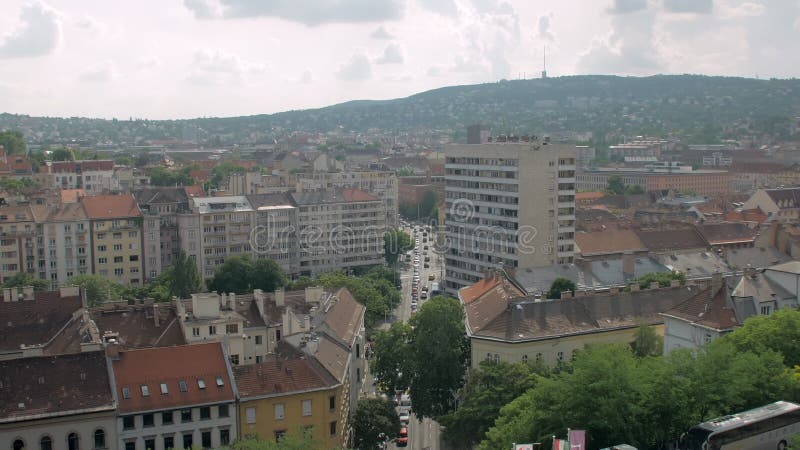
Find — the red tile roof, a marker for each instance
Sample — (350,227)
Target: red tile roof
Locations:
(34,322)
(346,317)
(608,241)
(746,215)
(588,196)
(200,174)
(357,195)
(708,309)
(80,166)
(111,206)
(171,365)
(194,191)
(71,195)
(278,377)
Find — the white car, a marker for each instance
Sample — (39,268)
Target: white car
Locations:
(404,417)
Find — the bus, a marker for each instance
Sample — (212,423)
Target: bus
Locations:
(435,289)
(764,428)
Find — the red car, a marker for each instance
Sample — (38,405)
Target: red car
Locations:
(402,438)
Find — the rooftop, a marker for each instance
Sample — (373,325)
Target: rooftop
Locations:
(332,196)
(709,308)
(281,377)
(608,241)
(110,206)
(228,203)
(37,321)
(136,325)
(672,239)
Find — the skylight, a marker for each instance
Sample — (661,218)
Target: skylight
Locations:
(164,389)
(220,382)
(201,383)
(126,393)
(145,391)
(182,386)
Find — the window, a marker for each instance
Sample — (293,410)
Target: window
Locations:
(560,356)
(130,445)
(119,272)
(128,423)
(186,415)
(196,331)
(251,415)
(538,357)
(150,444)
(164,388)
(205,413)
(118,248)
(145,391)
(259,340)
(223,411)
(332,402)
(279,434)
(102,260)
(205,439)
(46,443)
(126,393)
(101,248)
(279,411)
(224,436)
(148,421)
(188,440)
(73,441)
(306,408)
(765,310)
(212,330)
(232,328)
(166,418)
(169,442)
(220,382)
(133,258)
(18,445)
(201,383)
(182,386)
(235,360)
(332,428)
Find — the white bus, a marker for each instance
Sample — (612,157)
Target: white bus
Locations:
(766,428)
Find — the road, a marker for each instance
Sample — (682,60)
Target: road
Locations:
(424,435)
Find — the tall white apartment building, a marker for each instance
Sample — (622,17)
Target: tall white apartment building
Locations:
(223,230)
(381,184)
(509,204)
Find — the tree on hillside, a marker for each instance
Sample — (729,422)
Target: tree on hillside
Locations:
(24,279)
(13,142)
(371,418)
(439,354)
(396,243)
(488,389)
(391,363)
(98,289)
(560,285)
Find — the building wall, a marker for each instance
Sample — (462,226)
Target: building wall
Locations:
(117,249)
(266,424)
(681,334)
(67,250)
(275,236)
(58,429)
(223,234)
(189,238)
(547,350)
(215,424)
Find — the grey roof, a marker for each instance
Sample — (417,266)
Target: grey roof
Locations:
(695,264)
(755,257)
(789,267)
(610,272)
(785,198)
(161,195)
(586,275)
(227,203)
(264,200)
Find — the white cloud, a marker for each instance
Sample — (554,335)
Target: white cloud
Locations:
(381,33)
(307,77)
(627,6)
(392,54)
(444,7)
(148,62)
(38,34)
(356,68)
(797,24)
(689,6)
(218,67)
(308,12)
(743,10)
(101,72)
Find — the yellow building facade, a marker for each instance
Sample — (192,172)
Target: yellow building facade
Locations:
(116,235)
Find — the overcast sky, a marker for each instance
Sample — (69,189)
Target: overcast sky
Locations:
(188,58)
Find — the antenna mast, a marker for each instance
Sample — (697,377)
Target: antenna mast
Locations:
(544,63)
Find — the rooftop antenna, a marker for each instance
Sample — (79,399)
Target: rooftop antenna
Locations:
(544,63)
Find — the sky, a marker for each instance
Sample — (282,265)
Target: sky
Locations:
(171,59)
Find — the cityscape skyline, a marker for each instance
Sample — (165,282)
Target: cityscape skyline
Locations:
(233,57)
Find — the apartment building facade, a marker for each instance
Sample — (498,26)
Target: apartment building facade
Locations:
(275,232)
(381,184)
(339,229)
(224,228)
(160,208)
(701,182)
(507,204)
(19,247)
(93,176)
(116,237)
(63,242)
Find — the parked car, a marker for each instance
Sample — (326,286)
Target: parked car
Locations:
(431,276)
(404,416)
(402,438)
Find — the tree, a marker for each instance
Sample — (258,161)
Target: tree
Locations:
(615,185)
(439,354)
(371,418)
(13,142)
(664,279)
(396,243)
(24,279)
(241,275)
(294,440)
(180,280)
(488,389)
(372,290)
(560,285)
(61,154)
(647,342)
(98,289)
(391,365)
(267,275)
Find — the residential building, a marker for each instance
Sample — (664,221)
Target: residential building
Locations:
(116,237)
(63,242)
(510,204)
(173,397)
(782,205)
(339,229)
(224,230)
(93,176)
(275,235)
(504,326)
(280,396)
(160,208)
(19,247)
(144,324)
(14,166)
(381,184)
(478,134)
(701,182)
(638,147)
(57,402)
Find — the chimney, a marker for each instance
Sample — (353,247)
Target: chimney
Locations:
(566,294)
(156,316)
(111,344)
(258,297)
(223,300)
(674,283)
(231,301)
(279,297)
(628,265)
(654,285)
(7,295)
(307,322)
(716,282)
(27,293)
(635,287)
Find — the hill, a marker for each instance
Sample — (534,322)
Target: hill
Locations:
(701,108)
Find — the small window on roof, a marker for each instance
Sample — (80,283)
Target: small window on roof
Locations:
(182,386)
(220,382)
(126,393)
(164,388)
(201,383)
(145,391)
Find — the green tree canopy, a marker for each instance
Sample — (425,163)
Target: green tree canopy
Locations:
(560,285)
(664,279)
(374,289)
(371,418)
(242,274)
(98,289)
(61,154)
(647,342)
(13,142)
(395,243)
(24,279)
(179,280)
(160,176)
(391,362)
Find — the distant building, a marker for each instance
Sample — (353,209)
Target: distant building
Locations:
(477,134)
(701,182)
(93,176)
(222,230)
(781,205)
(116,237)
(160,208)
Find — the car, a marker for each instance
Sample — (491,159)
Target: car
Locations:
(404,416)
(432,277)
(424,288)
(424,296)
(426,266)
(425,248)
(402,438)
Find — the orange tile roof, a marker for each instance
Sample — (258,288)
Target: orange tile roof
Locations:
(357,195)
(194,191)
(71,195)
(472,293)
(111,206)
(588,196)
(608,241)
(746,215)
(277,377)
(171,365)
